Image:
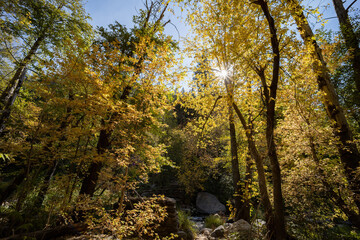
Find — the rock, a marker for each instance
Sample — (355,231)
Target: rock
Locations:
(259,223)
(227,225)
(206,231)
(240,226)
(219,232)
(208,203)
(201,237)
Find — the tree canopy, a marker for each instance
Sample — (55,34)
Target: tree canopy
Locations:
(99,124)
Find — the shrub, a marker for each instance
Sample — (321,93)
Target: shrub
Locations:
(186,225)
(213,221)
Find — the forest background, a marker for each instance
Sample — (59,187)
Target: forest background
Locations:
(268,121)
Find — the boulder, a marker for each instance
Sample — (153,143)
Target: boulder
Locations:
(241,228)
(219,232)
(206,231)
(208,203)
(201,237)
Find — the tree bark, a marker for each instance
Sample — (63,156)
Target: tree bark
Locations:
(348,150)
(45,184)
(241,210)
(90,180)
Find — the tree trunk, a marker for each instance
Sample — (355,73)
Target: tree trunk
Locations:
(248,182)
(9,100)
(270,96)
(348,151)
(90,180)
(269,216)
(241,210)
(9,95)
(351,40)
(45,185)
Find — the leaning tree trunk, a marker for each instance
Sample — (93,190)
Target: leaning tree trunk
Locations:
(104,144)
(9,100)
(269,216)
(349,154)
(9,95)
(90,180)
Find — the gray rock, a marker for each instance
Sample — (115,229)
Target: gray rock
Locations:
(242,229)
(227,225)
(206,231)
(259,223)
(219,232)
(240,226)
(201,237)
(208,203)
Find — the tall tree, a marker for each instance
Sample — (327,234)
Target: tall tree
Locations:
(349,153)
(150,24)
(37,24)
(270,93)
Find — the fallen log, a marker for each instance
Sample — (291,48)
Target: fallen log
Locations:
(71,229)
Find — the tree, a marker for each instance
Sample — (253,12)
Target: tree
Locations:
(348,150)
(235,47)
(37,24)
(146,34)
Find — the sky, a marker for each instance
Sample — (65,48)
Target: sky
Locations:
(105,12)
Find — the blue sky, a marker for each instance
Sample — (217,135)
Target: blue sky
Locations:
(105,12)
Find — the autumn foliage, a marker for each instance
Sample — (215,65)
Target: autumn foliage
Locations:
(268,119)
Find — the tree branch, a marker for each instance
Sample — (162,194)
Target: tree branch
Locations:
(208,116)
(347,9)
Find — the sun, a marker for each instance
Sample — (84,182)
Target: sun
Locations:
(222,73)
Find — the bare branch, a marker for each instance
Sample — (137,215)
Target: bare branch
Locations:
(347,9)
(208,116)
